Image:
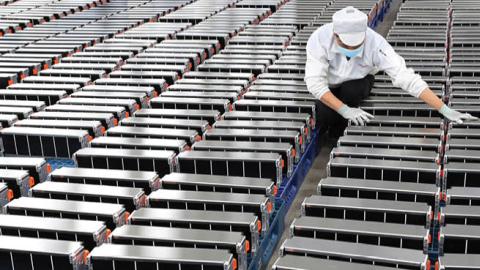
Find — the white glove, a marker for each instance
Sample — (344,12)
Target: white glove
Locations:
(356,115)
(455,116)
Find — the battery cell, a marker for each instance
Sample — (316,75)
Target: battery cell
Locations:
(400,171)
(33,253)
(251,135)
(293,262)
(159,84)
(190,136)
(137,235)
(460,214)
(289,155)
(130,198)
(344,251)
(260,205)
(221,105)
(141,99)
(368,210)
(94,128)
(463,195)
(34,105)
(366,232)
(148,181)
(140,143)
(46,142)
(263,165)
(68,88)
(461,174)
(394,132)
(214,183)
(208,115)
(280,106)
(118,112)
(161,162)
(48,97)
(19,112)
(384,154)
(38,168)
(298,126)
(461,239)
(107,119)
(198,125)
(111,256)
(390,142)
(149,91)
(246,223)
(129,105)
(382,190)
(90,233)
(271,116)
(112,214)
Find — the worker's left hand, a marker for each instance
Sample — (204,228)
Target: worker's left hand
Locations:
(456,116)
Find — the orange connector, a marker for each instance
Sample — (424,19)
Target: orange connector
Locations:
(247,246)
(269,207)
(108,233)
(9,195)
(234,264)
(85,256)
(31,181)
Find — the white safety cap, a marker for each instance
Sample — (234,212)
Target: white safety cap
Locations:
(350,24)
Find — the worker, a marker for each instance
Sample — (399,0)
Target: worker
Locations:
(342,59)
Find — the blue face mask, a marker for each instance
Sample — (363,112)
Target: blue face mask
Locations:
(350,53)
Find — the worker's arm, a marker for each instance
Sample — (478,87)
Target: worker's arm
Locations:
(394,65)
(331,101)
(316,70)
(316,67)
(433,101)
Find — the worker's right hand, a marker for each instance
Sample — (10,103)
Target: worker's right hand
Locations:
(356,115)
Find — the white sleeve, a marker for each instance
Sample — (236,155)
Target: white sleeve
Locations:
(388,60)
(316,67)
